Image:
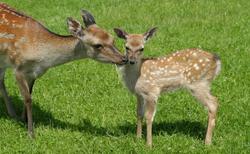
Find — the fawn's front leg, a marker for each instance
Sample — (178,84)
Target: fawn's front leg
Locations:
(140,114)
(23,84)
(150,108)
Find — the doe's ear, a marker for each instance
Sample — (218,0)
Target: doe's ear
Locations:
(74,27)
(121,33)
(88,18)
(149,33)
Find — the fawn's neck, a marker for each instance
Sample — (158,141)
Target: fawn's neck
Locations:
(130,74)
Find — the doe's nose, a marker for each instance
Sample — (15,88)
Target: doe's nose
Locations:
(124,60)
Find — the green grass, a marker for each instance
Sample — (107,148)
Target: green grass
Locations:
(82,107)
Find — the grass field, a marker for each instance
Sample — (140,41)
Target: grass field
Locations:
(82,107)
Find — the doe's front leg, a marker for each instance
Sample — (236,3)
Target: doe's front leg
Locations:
(5,96)
(24,113)
(23,84)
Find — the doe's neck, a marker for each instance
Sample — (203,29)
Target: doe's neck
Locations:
(63,49)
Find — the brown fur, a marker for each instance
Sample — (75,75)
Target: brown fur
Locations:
(31,49)
(97,32)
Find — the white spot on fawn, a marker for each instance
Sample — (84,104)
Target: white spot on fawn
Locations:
(170,58)
(173,71)
(196,66)
(161,69)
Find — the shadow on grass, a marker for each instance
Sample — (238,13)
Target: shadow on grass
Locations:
(192,129)
(45,118)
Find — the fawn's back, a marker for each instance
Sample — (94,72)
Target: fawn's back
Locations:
(180,68)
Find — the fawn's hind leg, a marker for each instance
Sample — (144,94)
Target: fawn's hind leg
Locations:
(201,91)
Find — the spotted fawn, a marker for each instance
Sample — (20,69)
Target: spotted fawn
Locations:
(147,78)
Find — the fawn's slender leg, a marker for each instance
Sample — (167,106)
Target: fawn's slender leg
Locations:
(203,94)
(211,120)
(5,96)
(150,108)
(140,114)
(23,84)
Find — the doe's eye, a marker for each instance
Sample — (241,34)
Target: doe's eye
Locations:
(98,46)
(127,48)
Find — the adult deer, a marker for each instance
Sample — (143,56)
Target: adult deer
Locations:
(147,78)
(31,49)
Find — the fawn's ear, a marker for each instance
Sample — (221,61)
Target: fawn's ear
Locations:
(75,27)
(149,33)
(88,18)
(121,33)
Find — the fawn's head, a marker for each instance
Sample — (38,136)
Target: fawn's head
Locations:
(134,43)
(100,44)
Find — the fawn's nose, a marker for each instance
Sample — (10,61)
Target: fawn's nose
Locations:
(132,62)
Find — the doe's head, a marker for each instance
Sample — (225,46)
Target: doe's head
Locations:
(100,44)
(134,43)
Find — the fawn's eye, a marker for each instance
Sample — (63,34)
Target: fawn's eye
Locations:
(127,48)
(97,46)
(141,49)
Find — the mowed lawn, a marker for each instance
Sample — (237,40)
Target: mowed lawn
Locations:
(83,107)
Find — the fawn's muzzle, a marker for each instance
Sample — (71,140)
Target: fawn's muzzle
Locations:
(132,62)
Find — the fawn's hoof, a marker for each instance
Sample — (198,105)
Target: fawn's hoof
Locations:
(138,136)
(149,145)
(208,142)
(31,135)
